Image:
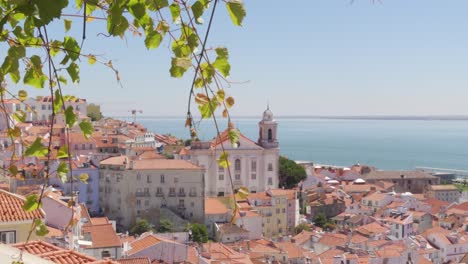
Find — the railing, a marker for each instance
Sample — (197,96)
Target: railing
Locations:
(159,194)
(172,194)
(142,194)
(192,194)
(182,194)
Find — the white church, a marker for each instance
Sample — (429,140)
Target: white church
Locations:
(252,164)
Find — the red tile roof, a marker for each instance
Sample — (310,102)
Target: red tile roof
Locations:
(11,208)
(143,243)
(134,261)
(102,236)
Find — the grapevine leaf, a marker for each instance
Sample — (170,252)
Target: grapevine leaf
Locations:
(70,117)
(36,149)
(62,152)
(233,135)
(41,228)
(62,79)
(242,193)
(72,48)
(50,9)
(175,11)
(86,128)
(223,160)
(74,72)
(20,116)
(14,132)
(57,104)
(137,8)
(180,49)
(179,66)
(197,9)
(207,109)
(153,39)
(84,178)
(91,59)
(223,66)
(67,23)
(31,203)
(22,95)
(236,11)
(62,171)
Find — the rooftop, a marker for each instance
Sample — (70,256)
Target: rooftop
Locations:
(11,208)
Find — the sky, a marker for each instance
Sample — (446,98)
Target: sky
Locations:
(312,57)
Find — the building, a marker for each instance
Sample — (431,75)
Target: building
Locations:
(272,206)
(404,181)
(448,192)
(253,164)
(132,189)
(15,222)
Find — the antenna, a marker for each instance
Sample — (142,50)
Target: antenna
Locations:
(134,114)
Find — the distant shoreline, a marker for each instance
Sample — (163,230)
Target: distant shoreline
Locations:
(359,117)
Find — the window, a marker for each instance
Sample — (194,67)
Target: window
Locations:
(162,178)
(105,254)
(253,176)
(76,147)
(138,203)
(221,177)
(148,178)
(237,176)
(284,210)
(181,203)
(277,210)
(237,165)
(181,191)
(146,191)
(18,107)
(253,166)
(159,191)
(90,146)
(138,177)
(220,169)
(270,166)
(8,237)
(146,202)
(43,107)
(176,179)
(270,135)
(270,181)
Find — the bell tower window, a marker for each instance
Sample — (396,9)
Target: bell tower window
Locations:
(270,135)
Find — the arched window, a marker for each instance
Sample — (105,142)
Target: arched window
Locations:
(237,165)
(270,134)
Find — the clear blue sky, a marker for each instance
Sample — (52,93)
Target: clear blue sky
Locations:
(397,57)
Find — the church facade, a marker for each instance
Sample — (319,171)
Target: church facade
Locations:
(254,165)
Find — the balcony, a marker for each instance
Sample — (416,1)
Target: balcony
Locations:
(181,194)
(159,194)
(142,194)
(192,194)
(172,194)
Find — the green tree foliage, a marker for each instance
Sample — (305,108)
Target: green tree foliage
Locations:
(300,227)
(140,227)
(165,226)
(199,233)
(320,220)
(94,112)
(290,173)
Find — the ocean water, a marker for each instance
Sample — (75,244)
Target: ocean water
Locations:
(385,144)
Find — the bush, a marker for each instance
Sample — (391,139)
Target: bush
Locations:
(300,227)
(199,233)
(165,226)
(140,227)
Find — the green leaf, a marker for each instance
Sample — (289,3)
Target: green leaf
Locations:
(199,82)
(117,24)
(157,4)
(62,171)
(137,8)
(84,178)
(31,203)
(222,52)
(242,193)
(233,135)
(34,78)
(22,95)
(179,66)
(70,117)
(62,152)
(71,48)
(49,9)
(223,160)
(180,49)
(20,116)
(74,72)
(17,52)
(58,103)
(223,66)
(197,9)
(40,227)
(36,149)
(86,128)
(55,47)
(67,23)
(208,72)
(236,11)
(207,109)
(62,79)
(153,39)
(175,11)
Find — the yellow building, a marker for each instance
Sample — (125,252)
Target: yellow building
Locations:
(273,209)
(15,222)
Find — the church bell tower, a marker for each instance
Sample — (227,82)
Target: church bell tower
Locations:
(268,128)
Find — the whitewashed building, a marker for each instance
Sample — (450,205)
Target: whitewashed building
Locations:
(252,164)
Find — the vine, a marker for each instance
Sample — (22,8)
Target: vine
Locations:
(31,50)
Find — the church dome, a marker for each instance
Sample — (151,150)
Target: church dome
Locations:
(268,115)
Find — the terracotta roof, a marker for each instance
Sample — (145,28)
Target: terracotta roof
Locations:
(303,237)
(215,206)
(150,155)
(462,206)
(436,205)
(102,236)
(333,239)
(372,228)
(99,220)
(11,208)
(290,248)
(281,192)
(144,260)
(142,243)
(224,136)
(220,253)
(37,247)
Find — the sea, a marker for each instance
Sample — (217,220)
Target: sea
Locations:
(389,144)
